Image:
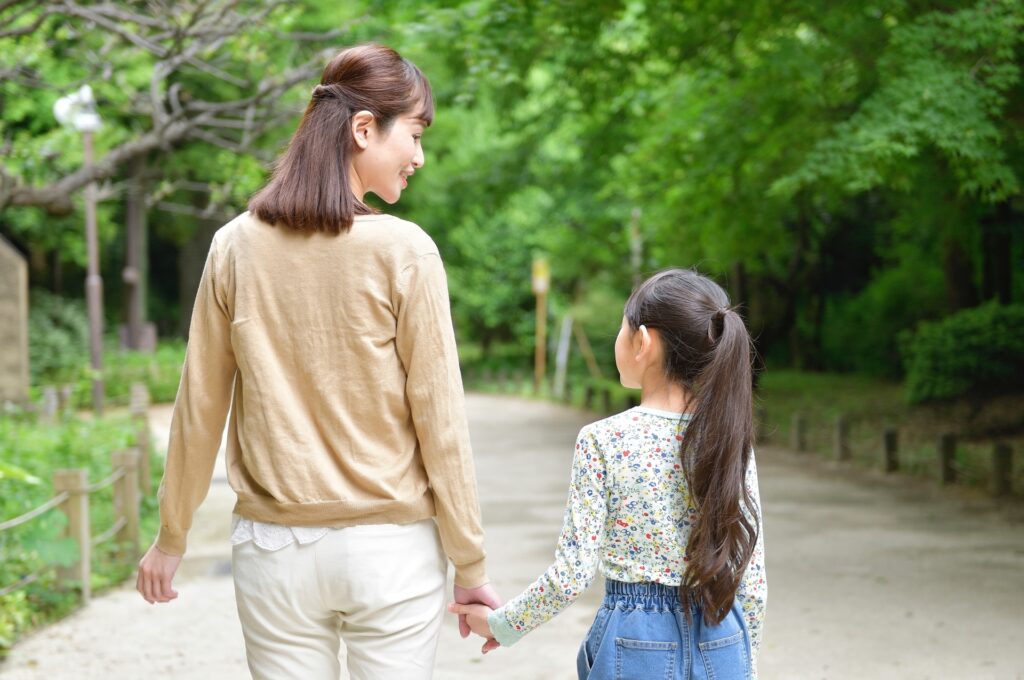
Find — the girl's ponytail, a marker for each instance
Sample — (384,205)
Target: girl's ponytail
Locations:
(708,351)
(716,452)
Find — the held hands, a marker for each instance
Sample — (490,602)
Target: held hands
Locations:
(473,605)
(156,571)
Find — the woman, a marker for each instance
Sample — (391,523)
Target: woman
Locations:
(328,328)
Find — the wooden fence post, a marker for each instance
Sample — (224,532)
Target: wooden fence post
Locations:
(139,407)
(798,432)
(606,400)
(65,397)
(891,443)
(947,456)
(50,406)
(588,397)
(842,444)
(1002,462)
(76,507)
(126,502)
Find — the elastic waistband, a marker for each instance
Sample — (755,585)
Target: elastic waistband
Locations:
(644,594)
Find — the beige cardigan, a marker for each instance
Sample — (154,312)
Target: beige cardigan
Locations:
(337,357)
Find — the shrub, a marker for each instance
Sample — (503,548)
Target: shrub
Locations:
(978,352)
(58,338)
(159,370)
(859,332)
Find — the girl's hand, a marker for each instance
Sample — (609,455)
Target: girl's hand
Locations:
(476,617)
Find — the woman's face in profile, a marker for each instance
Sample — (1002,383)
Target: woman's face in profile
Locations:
(390,157)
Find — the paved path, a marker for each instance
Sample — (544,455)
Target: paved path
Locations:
(870,578)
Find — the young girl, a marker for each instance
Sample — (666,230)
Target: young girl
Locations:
(664,498)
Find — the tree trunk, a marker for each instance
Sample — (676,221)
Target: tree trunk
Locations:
(57,281)
(961,293)
(190,269)
(136,247)
(997,253)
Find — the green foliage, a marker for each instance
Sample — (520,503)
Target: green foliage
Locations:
(159,370)
(944,84)
(860,331)
(832,164)
(30,452)
(58,337)
(975,353)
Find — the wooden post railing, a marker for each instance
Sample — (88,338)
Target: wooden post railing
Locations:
(842,444)
(126,502)
(798,432)
(1002,463)
(143,434)
(891,443)
(947,457)
(76,507)
(72,498)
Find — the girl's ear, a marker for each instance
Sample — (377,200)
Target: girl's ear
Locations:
(644,337)
(362,126)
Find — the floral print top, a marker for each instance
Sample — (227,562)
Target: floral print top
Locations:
(630,512)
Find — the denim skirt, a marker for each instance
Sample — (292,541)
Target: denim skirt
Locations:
(641,632)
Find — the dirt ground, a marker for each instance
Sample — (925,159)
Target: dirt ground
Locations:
(870,577)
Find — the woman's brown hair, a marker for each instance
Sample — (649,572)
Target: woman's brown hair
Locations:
(309,190)
(708,351)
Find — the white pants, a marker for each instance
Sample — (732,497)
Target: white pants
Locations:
(379,587)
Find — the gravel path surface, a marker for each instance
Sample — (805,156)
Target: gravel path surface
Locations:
(870,577)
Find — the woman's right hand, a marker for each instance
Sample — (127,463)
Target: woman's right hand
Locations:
(156,573)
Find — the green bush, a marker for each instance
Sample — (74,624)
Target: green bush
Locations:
(159,370)
(859,332)
(58,338)
(974,353)
(30,452)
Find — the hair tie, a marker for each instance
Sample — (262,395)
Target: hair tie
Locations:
(718,315)
(326,91)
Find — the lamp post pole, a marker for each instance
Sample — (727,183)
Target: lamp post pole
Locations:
(78,110)
(93,284)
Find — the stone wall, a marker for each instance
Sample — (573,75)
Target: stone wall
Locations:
(13,324)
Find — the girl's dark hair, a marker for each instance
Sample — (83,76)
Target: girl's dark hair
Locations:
(309,190)
(708,351)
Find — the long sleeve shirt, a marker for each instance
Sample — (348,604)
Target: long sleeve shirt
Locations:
(629,513)
(336,356)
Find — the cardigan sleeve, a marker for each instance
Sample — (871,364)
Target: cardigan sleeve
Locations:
(425,340)
(200,409)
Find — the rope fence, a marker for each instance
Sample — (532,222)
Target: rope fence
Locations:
(130,477)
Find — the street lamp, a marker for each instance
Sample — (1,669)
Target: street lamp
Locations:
(78,110)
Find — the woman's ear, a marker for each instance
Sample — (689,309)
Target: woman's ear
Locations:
(363,124)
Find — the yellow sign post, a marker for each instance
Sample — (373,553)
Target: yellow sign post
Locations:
(541,282)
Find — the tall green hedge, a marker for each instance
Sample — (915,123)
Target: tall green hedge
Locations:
(976,352)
